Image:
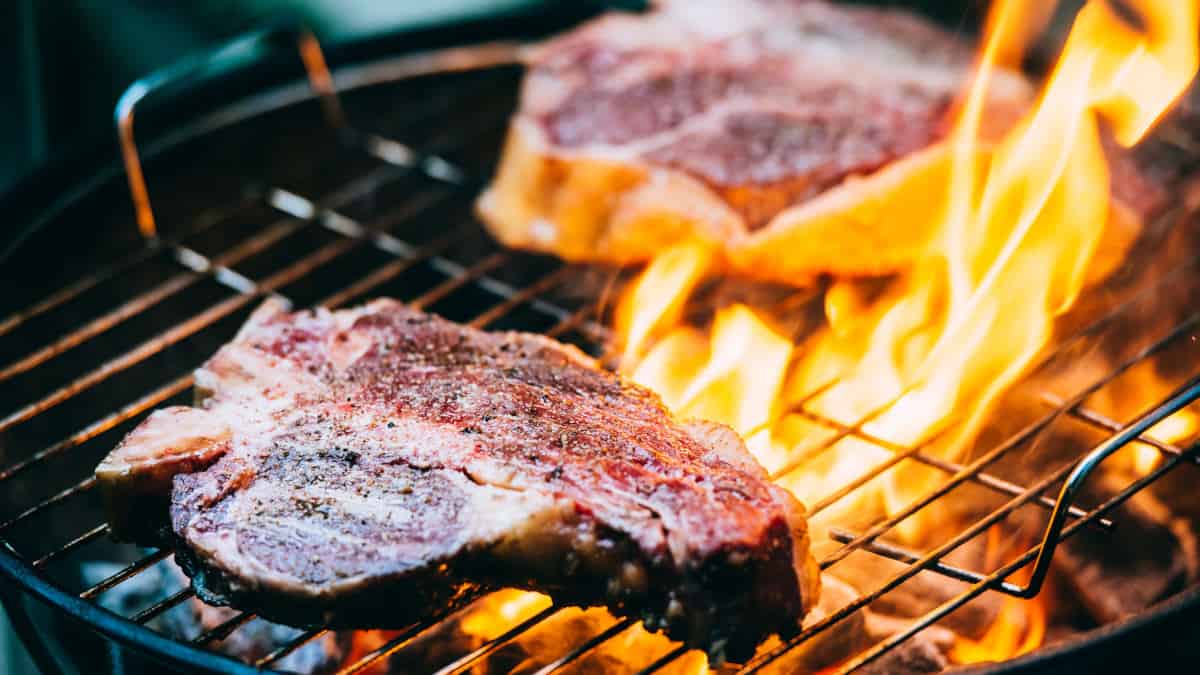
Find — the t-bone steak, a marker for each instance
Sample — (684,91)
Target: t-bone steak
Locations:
(370,466)
(795,137)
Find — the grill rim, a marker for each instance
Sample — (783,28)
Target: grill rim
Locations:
(172,651)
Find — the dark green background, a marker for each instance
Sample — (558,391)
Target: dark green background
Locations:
(71,58)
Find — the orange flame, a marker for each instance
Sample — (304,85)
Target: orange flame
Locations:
(1019,627)
(1015,235)
(1173,429)
(1017,230)
(1024,21)
(495,613)
(363,642)
(1123,400)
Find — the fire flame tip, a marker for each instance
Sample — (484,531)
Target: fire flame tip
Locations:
(1022,219)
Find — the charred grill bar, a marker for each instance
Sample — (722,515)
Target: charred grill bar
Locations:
(443,181)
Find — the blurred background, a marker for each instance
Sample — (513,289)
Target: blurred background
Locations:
(74,57)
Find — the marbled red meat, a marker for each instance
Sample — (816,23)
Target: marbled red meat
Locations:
(366,466)
(791,137)
(788,134)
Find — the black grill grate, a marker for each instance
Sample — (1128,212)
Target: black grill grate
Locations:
(372,235)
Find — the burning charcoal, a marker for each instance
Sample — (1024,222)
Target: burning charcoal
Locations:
(881,626)
(491,616)
(439,645)
(835,644)
(1154,557)
(1178,490)
(551,639)
(466,630)
(925,652)
(918,595)
(614,656)
(914,656)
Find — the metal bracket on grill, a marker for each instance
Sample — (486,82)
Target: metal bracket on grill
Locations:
(1179,399)
(189,70)
(1064,505)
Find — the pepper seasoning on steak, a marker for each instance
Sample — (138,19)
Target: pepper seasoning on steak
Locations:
(794,138)
(365,467)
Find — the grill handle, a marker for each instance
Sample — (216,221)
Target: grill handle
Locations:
(1185,395)
(188,72)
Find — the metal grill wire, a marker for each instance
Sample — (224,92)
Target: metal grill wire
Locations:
(397,160)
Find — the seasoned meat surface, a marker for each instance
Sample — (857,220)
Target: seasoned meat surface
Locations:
(793,137)
(747,125)
(375,464)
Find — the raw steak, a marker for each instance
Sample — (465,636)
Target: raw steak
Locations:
(365,467)
(796,137)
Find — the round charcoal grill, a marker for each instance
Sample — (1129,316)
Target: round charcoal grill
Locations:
(330,191)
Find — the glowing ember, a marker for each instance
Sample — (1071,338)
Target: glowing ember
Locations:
(732,378)
(1015,241)
(365,642)
(693,664)
(1175,428)
(1016,233)
(1122,401)
(659,296)
(494,614)
(1020,625)
(1018,629)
